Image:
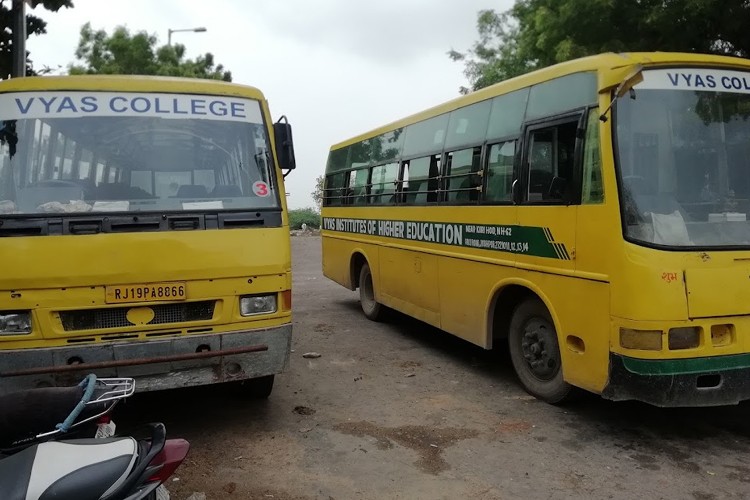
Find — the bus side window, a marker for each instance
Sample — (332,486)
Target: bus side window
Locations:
(357,187)
(421,180)
(463,180)
(384,180)
(500,172)
(592,191)
(551,157)
(333,187)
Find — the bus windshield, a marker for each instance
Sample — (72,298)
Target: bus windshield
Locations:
(69,152)
(683,147)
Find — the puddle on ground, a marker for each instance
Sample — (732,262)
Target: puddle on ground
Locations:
(429,442)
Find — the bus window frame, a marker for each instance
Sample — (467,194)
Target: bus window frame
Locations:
(517,157)
(441,155)
(577,116)
(446,176)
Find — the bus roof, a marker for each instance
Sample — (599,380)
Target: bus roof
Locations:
(130,83)
(609,65)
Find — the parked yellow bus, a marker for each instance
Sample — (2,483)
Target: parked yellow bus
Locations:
(143,233)
(593,215)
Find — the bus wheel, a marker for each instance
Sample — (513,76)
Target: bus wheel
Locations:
(372,309)
(257,388)
(535,352)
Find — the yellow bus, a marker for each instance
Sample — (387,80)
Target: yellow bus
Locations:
(593,215)
(143,233)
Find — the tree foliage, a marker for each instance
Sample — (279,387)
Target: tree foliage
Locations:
(317,194)
(537,33)
(125,53)
(300,216)
(34,26)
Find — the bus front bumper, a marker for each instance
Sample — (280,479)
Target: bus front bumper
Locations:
(155,364)
(709,381)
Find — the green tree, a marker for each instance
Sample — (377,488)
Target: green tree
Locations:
(317,194)
(300,216)
(123,53)
(537,33)
(34,26)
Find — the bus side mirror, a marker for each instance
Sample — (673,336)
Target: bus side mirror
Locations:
(282,132)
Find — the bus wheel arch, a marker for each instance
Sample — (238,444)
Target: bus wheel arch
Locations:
(355,267)
(501,308)
(361,277)
(523,318)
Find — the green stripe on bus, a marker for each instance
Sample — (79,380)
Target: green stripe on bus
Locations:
(527,240)
(686,366)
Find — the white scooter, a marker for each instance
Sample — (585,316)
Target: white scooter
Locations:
(35,467)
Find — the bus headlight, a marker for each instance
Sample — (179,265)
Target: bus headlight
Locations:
(15,322)
(645,340)
(251,305)
(684,338)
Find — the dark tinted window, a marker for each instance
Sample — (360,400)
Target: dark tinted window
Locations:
(426,136)
(463,182)
(359,154)
(551,162)
(468,125)
(421,180)
(507,114)
(357,191)
(561,94)
(500,172)
(387,147)
(337,160)
(384,179)
(334,189)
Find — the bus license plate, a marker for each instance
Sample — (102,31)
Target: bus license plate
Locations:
(152,292)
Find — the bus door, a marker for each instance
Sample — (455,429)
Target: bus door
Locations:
(547,192)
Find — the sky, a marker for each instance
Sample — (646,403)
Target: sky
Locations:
(335,68)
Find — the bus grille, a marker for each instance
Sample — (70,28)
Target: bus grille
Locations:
(116,317)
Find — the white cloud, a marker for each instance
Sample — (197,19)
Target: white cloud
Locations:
(336,68)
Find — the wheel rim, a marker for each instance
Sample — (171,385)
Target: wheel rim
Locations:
(539,348)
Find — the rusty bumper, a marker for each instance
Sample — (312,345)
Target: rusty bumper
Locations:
(155,364)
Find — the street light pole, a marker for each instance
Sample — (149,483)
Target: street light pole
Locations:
(18,66)
(200,29)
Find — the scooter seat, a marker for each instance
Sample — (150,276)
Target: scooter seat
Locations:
(84,469)
(28,413)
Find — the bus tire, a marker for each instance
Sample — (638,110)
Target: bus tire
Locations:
(257,388)
(535,352)
(373,310)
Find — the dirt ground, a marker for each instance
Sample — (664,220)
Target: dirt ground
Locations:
(401,410)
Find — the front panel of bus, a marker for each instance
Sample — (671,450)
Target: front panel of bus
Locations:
(681,296)
(136,226)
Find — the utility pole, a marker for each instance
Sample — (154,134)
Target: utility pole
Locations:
(18,14)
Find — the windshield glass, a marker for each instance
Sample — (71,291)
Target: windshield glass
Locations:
(683,140)
(71,152)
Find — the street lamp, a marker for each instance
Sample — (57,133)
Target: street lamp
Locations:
(200,29)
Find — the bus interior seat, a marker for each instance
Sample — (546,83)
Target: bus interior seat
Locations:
(121,191)
(540,182)
(226,191)
(192,191)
